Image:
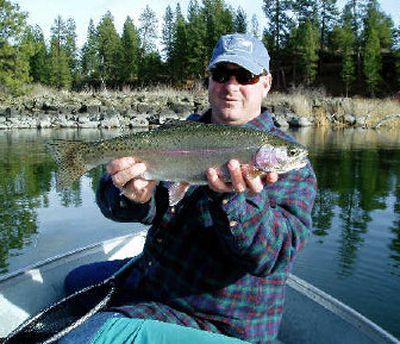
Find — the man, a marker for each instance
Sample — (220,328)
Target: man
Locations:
(219,259)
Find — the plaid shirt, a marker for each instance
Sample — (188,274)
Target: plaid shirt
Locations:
(215,261)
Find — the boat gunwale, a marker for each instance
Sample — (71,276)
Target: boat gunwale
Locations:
(347,313)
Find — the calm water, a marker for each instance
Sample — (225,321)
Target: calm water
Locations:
(354,253)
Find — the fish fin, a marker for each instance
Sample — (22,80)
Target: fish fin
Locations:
(254,172)
(176,192)
(71,164)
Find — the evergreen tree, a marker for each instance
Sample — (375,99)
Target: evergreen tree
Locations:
(397,54)
(357,7)
(90,57)
(276,35)
(372,61)
(59,60)
(307,47)
(38,64)
(130,46)
(255,26)
(219,21)
(328,13)
(240,22)
(148,30)
(168,31)
(14,57)
(151,68)
(71,48)
(197,57)
(345,39)
(179,58)
(305,10)
(377,36)
(110,51)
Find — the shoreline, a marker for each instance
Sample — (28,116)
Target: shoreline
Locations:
(146,108)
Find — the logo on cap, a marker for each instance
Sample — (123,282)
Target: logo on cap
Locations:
(238,44)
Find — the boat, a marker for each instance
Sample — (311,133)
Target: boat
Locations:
(310,316)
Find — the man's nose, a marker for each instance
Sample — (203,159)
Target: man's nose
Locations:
(232,81)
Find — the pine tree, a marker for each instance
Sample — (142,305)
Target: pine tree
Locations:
(345,39)
(168,32)
(377,36)
(196,33)
(372,61)
(328,13)
(71,48)
(90,57)
(307,47)
(130,46)
(14,57)
(255,26)
(397,54)
(219,21)
(60,74)
(179,57)
(240,22)
(305,10)
(38,64)
(276,35)
(148,30)
(110,51)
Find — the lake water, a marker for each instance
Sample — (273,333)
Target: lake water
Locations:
(354,253)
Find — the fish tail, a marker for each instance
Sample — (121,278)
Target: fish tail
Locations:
(70,161)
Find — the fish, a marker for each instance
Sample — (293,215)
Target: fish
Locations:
(180,153)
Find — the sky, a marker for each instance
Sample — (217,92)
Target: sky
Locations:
(43,12)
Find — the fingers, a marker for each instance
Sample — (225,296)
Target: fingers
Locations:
(139,190)
(122,177)
(117,165)
(241,179)
(126,174)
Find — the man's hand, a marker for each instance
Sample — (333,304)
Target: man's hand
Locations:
(127,175)
(241,179)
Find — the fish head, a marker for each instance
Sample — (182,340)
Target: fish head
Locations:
(280,159)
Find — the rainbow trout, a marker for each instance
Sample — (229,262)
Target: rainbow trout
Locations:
(180,153)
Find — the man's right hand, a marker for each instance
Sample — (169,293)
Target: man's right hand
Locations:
(127,175)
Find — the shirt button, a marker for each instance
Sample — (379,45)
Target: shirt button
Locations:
(173,210)
(159,240)
(233,223)
(225,202)
(150,263)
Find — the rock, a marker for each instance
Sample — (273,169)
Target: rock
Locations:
(112,122)
(361,122)
(44,122)
(280,121)
(349,120)
(299,122)
(138,122)
(167,115)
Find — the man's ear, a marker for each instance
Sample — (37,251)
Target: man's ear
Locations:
(267,84)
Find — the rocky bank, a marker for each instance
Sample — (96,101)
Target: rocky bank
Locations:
(110,110)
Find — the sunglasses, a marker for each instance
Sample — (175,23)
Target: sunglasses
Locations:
(243,76)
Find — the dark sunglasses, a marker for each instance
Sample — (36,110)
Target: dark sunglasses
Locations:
(243,76)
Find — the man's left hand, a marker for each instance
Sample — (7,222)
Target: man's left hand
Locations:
(241,179)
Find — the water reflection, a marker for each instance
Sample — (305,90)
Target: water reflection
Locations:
(354,253)
(26,178)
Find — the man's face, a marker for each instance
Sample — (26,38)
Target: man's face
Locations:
(234,103)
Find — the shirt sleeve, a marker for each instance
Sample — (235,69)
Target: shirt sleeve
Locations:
(117,207)
(266,230)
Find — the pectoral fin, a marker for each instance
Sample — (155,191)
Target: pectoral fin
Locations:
(176,192)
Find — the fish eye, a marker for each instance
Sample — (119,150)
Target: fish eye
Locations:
(292,152)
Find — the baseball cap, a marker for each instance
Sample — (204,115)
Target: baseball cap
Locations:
(242,49)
